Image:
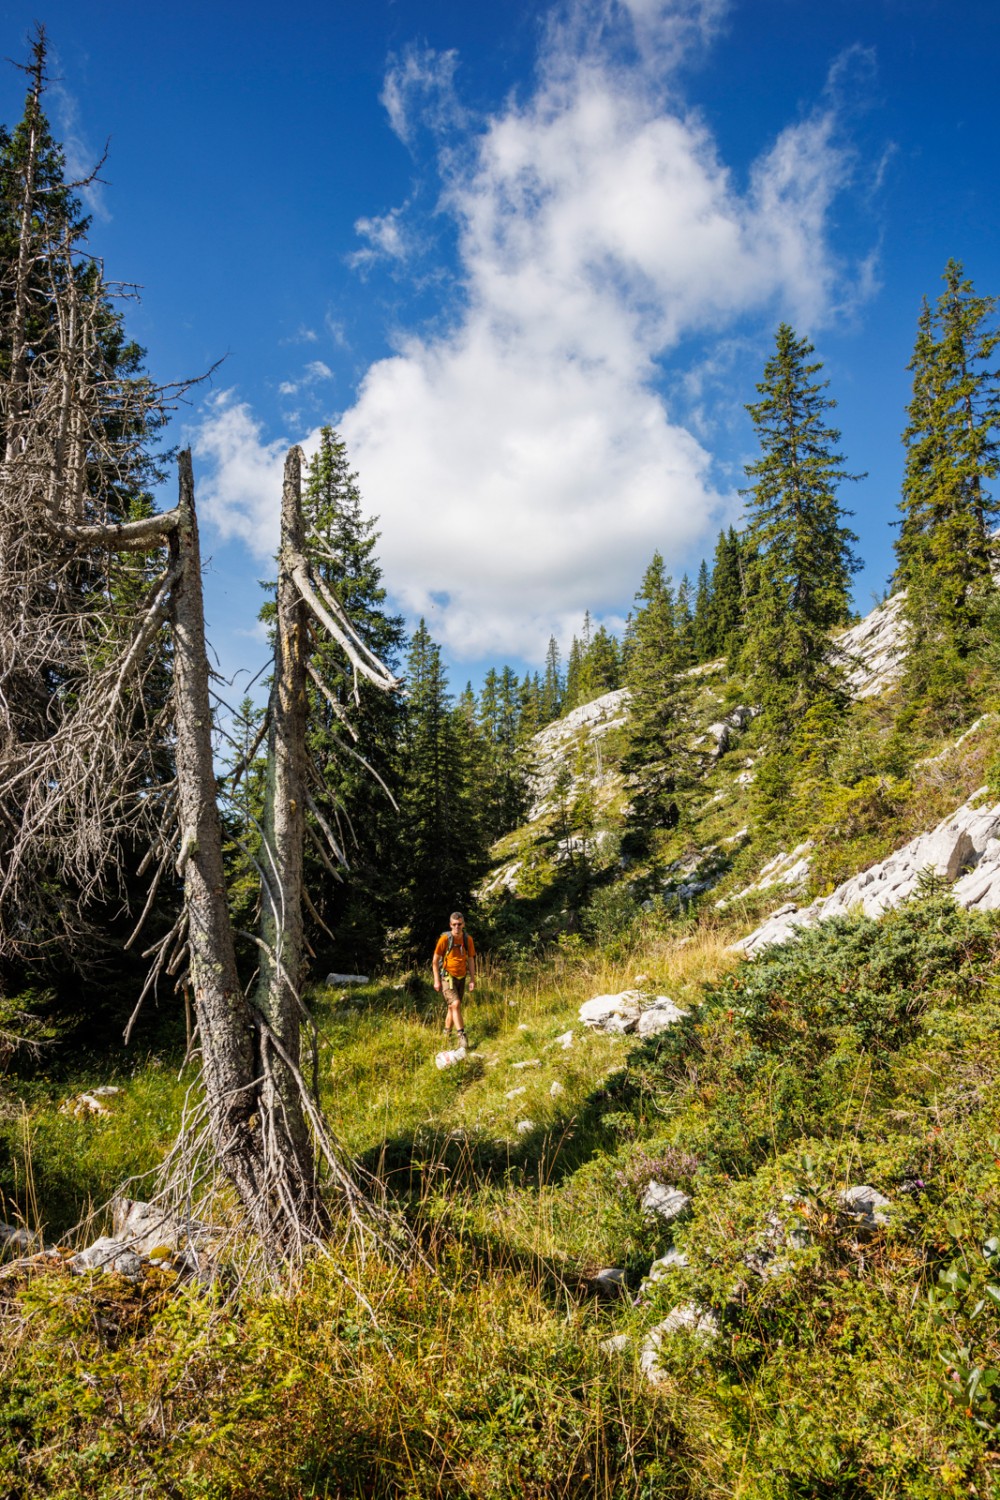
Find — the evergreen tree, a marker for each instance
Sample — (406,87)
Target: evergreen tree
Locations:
(61,334)
(946,552)
(657,759)
(504,799)
(701,625)
(445,852)
(531,716)
(553,686)
(343,542)
(600,667)
(726,608)
(800,576)
(574,667)
(684,619)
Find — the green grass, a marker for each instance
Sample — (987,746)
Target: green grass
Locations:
(866,1053)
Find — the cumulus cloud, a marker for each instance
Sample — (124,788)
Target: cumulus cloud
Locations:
(240,479)
(524,462)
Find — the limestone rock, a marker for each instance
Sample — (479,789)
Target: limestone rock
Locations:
(964,849)
(674,1260)
(515,1093)
(18,1240)
(872,651)
(531,1062)
(664,1202)
(865,1205)
(618,1343)
(659,1016)
(108,1255)
(146,1226)
(556,1088)
(612,1013)
(686,1317)
(524,1126)
(340,979)
(608,1282)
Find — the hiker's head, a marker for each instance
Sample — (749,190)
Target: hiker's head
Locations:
(456,921)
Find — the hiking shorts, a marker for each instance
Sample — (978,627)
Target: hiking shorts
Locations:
(452,987)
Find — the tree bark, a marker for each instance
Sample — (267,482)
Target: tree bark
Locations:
(283,828)
(225,1021)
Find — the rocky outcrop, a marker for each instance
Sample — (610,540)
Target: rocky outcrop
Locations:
(145,1227)
(872,652)
(631,1010)
(552,745)
(108,1255)
(790,870)
(865,1207)
(963,850)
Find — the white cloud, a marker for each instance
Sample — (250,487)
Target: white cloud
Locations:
(315,372)
(387,239)
(419,90)
(524,463)
(239,489)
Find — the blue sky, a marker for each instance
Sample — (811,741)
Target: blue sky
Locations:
(529,259)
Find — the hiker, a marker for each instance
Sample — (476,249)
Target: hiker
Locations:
(454,960)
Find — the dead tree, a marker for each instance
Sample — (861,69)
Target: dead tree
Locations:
(92,604)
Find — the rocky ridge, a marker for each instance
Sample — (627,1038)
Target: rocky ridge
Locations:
(963,851)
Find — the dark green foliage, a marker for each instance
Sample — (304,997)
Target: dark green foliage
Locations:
(684,622)
(502,792)
(354,799)
(701,624)
(553,685)
(657,760)
(858,978)
(945,550)
(726,605)
(594,666)
(443,845)
(800,577)
(47,268)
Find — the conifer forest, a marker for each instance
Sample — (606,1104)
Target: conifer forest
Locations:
(707,1202)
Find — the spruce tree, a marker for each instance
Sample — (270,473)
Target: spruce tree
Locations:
(684,615)
(574,667)
(657,759)
(701,625)
(445,853)
(726,610)
(344,542)
(600,667)
(553,686)
(800,575)
(946,552)
(504,796)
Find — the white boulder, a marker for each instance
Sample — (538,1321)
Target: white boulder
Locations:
(664,1202)
(865,1205)
(659,1016)
(108,1255)
(612,1013)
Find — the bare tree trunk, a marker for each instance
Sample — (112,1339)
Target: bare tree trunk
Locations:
(225,1021)
(277,996)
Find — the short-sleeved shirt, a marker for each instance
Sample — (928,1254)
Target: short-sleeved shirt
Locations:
(456,962)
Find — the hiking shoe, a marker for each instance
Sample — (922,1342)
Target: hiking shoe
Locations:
(463,1040)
